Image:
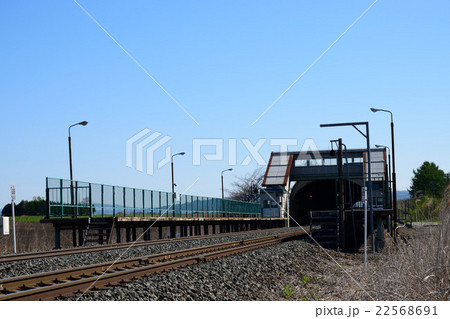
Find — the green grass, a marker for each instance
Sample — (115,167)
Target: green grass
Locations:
(288,292)
(305,280)
(29,219)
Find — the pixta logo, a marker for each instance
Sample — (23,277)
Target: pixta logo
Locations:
(213,149)
(145,145)
(150,143)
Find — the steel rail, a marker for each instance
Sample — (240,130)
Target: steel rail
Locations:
(82,250)
(47,278)
(66,282)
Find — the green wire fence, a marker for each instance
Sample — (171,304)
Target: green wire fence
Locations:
(83,199)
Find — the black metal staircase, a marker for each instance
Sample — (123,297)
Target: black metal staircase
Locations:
(97,231)
(324,228)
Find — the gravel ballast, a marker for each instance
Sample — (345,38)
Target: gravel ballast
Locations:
(293,270)
(254,275)
(26,267)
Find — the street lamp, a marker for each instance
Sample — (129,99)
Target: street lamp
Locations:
(221,177)
(173,182)
(84,123)
(394,177)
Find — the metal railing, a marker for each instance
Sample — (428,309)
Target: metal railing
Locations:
(192,206)
(66,199)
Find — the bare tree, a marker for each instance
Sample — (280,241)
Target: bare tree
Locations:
(246,188)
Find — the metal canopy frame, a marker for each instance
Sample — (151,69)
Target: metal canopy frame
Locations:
(369,182)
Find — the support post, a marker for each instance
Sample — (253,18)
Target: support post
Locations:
(182,231)
(100,236)
(380,235)
(394,180)
(146,233)
(369,183)
(118,235)
(74,236)
(124,202)
(134,202)
(114,200)
(103,201)
(80,236)
(13,215)
(143,203)
(57,237)
(91,208)
(341,197)
(47,198)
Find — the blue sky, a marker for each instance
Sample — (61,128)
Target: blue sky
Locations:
(224,62)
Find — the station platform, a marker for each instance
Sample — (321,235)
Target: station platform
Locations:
(108,230)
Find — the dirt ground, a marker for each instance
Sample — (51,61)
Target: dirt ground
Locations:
(32,236)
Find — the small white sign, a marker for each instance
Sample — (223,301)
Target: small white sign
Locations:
(4,225)
(13,192)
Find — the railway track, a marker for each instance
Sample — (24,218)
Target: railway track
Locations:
(82,250)
(67,282)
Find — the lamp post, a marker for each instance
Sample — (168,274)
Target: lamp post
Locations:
(173,182)
(369,180)
(84,123)
(394,178)
(221,177)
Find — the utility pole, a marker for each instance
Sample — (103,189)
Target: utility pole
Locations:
(365,222)
(13,198)
(341,197)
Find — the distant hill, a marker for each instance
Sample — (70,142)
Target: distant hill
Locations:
(402,195)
